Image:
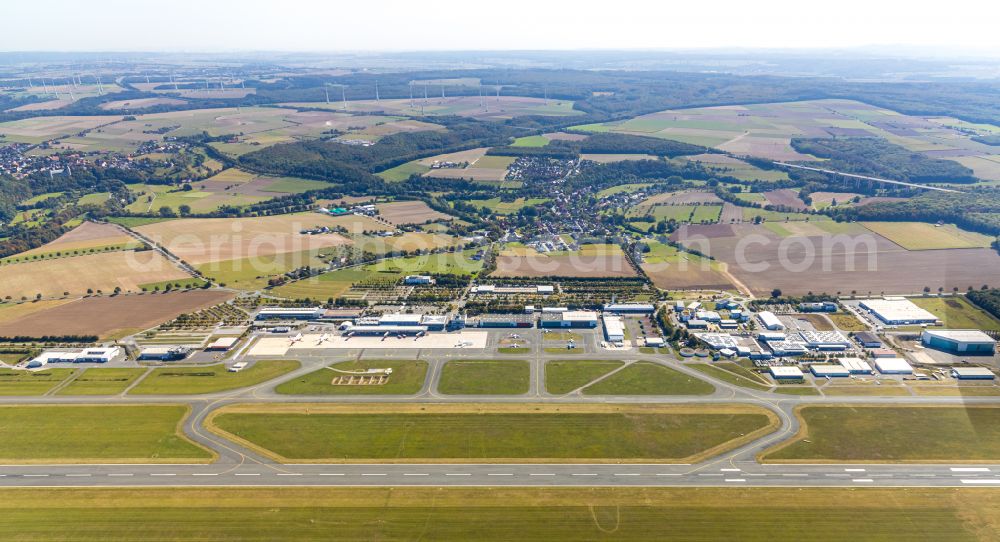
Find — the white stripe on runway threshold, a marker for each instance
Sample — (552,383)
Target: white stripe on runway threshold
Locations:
(162,474)
(863,480)
(415,474)
(626,474)
(982,481)
(970,469)
(205,474)
(121,474)
(457,474)
(854,470)
(500,474)
(584,474)
(34,475)
(541,474)
(735,480)
(288,474)
(373,474)
(247,474)
(729,470)
(77,475)
(331,474)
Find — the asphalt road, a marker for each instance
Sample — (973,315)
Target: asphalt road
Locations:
(238,466)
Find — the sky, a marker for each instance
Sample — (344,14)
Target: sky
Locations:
(412,25)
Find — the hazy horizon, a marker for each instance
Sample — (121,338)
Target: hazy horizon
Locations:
(449,25)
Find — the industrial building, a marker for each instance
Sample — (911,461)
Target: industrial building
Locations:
(787,348)
(856,366)
(786,373)
(164,353)
(654,341)
(708,316)
(697,324)
(569,319)
(614,329)
(87,355)
(506,320)
(770,321)
(972,373)
(290,313)
(222,344)
(893,366)
(867,339)
(883,353)
(825,340)
(898,311)
(418,279)
(629,308)
(829,370)
(959,341)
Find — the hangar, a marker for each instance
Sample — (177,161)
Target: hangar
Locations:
(770,321)
(959,341)
(823,370)
(575,319)
(972,373)
(614,329)
(786,373)
(893,366)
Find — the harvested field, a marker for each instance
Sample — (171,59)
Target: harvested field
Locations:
(39,129)
(671,269)
(610,158)
(687,198)
(85,236)
(127,270)
(409,212)
(564,136)
(785,198)
(110,316)
(585,263)
(42,106)
(206,240)
(834,262)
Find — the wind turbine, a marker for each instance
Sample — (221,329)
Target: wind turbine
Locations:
(343,95)
(100,87)
(326,88)
(498,91)
(411,94)
(376,90)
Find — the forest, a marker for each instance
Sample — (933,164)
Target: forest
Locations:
(877,157)
(977,211)
(989,300)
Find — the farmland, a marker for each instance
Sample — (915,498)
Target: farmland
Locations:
(84,238)
(923,236)
(409,212)
(672,269)
(95,434)
(820,261)
(111,316)
(493,433)
(589,261)
(765,131)
(499,514)
(893,434)
(472,165)
(205,240)
(105,271)
(503,207)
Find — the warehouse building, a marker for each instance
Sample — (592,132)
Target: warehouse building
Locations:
(164,353)
(856,366)
(786,373)
(893,366)
(883,353)
(654,341)
(569,319)
(972,373)
(770,321)
(629,308)
(825,340)
(959,341)
(614,329)
(898,311)
(222,344)
(708,316)
(418,279)
(86,355)
(829,370)
(867,339)
(787,348)
(506,320)
(696,324)
(294,313)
